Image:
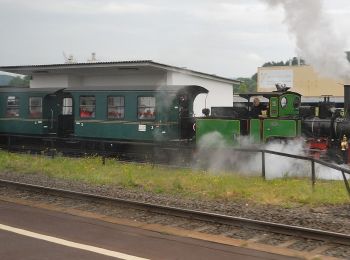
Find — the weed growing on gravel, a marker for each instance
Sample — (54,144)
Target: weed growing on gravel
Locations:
(197,184)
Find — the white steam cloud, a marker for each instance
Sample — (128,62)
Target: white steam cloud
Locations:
(214,154)
(316,40)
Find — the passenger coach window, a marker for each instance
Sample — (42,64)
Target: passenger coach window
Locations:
(116,107)
(12,106)
(87,107)
(35,107)
(67,108)
(146,107)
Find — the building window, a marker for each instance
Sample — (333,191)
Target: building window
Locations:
(116,107)
(35,107)
(12,106)
(87,107)
(67,107)
(146,107)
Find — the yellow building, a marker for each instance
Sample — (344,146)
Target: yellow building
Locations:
(302,79)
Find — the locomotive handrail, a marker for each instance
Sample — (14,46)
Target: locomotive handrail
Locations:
(335,167)
(300,157)
(273,152)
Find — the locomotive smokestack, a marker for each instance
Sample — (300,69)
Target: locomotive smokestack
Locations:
(347,100)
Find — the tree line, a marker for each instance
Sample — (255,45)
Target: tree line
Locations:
(20,81)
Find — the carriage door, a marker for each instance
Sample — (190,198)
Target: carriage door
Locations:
(66,117)
(50,113)
(186,121)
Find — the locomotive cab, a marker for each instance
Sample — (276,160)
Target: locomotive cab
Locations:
(277,118)
(280,120)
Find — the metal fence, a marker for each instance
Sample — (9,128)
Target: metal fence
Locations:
(312,161)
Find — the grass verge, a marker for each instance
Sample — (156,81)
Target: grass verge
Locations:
(181,182)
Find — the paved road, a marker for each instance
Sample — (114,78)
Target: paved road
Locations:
(32,233)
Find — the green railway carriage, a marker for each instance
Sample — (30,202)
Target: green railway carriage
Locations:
(164,114)
(28,111)
(280,120)
(133,114)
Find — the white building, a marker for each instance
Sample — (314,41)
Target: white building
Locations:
(126,74)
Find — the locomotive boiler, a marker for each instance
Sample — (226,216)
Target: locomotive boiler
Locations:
(324,126)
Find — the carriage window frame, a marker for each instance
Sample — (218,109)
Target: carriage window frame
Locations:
(38,114)
(13,107)
(116,107)
(141,116)
(87,114)
(67,109)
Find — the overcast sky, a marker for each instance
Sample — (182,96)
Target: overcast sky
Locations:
(227,38)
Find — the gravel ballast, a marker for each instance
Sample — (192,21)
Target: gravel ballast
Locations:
(334,218)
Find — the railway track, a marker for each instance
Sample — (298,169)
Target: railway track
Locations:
(277,228)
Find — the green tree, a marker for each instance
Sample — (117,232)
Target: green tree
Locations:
(274,63)
(20,81)
(293,61)
(247,85)
(241,88)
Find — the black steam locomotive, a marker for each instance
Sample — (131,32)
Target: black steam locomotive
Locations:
(324,127)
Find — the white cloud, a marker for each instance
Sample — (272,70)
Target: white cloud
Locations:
(229,38)
(89,7)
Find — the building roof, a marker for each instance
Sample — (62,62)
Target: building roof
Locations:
(336,99)
(193,89)
(120,65)
(29,90)
(137,88)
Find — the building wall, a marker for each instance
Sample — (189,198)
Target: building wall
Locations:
(302,79)
(74,81)
(220,93)
(49,81)
(92,80)
(155,79)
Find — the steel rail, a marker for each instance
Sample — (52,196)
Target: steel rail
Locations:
(298,231)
